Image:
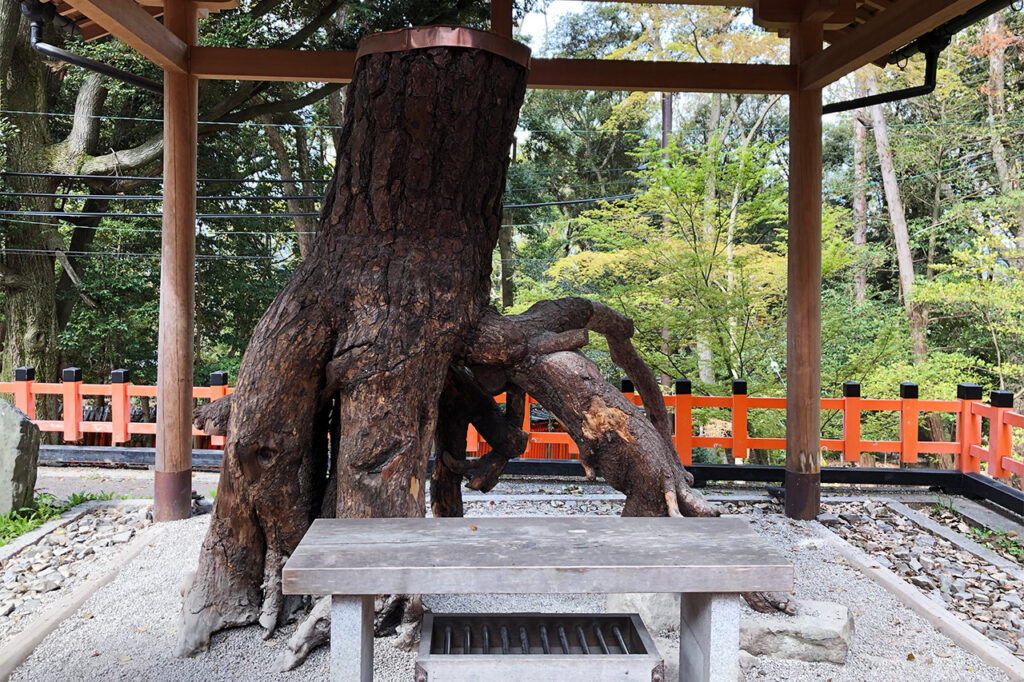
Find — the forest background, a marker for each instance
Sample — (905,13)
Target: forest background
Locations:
(670,208)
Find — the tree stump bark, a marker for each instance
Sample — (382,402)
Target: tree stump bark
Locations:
(359,342)
(381,349)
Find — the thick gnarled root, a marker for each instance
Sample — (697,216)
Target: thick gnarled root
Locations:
(312,632)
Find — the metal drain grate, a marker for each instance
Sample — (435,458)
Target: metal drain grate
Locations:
(535,647)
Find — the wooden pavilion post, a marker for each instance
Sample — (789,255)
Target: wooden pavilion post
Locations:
(173,480)
(803,327)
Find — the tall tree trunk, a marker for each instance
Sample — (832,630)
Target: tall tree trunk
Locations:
(666,137)
(705,354)
(383,349)
(30,306)
(304,232)
(995,41)
(917,313)
(860,202)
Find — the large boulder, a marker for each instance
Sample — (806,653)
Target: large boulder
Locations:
(819,632)
(19,456)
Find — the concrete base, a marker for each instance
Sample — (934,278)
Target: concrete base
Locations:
(709,633)
(352,638)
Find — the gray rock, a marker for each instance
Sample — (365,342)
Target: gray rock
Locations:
(922,582)
(120,538)
(820,632)
(923,540)
(19,457)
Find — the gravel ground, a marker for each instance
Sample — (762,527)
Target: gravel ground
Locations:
(43,573)
(127,630)
(133,483)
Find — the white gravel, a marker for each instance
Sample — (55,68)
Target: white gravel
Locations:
(127,630)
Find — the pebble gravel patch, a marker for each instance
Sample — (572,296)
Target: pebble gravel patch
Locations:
(985,596)
(127,630)
(42,573)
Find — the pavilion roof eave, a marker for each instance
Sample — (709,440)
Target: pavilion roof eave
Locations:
(874,30)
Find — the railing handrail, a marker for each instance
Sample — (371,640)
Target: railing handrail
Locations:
(967,447)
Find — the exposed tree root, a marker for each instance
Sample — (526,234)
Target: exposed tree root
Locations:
(312,632)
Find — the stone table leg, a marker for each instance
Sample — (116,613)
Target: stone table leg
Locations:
(709,637)
(352,638)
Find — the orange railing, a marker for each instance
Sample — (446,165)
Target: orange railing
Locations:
(970,447)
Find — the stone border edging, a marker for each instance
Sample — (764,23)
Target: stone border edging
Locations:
(958,539)
(70,516)
(21,646)
(939,617)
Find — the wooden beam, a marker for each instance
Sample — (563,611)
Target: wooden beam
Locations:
(501,17)
(803,280)
(173,479)
(90,30)
(230,63)
(134,26)
(776,15)
(592,74)
(901,23)
(247,64)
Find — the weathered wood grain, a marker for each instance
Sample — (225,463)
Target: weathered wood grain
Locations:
(512,555)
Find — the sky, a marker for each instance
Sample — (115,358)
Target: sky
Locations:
(534,23)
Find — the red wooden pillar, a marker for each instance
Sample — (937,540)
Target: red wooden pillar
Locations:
(851,421)
(803,327)
(909,422)
(24,399)
(968,428)
(71,394)
(1000,434)
(120,407)
(684,421)
(739,419)
(173,482)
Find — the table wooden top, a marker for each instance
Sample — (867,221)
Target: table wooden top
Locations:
(505,555)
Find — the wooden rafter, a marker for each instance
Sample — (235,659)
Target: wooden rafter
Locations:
(900,23)
(227,63)
(134,26)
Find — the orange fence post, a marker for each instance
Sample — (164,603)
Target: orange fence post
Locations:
(851,421)
(909,418)
(739,419)
(218,389)
(71,392)
(1000,435)
(120,406)
(684,420)
(968,428)
(24,378)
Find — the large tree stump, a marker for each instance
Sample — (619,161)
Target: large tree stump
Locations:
(380,349)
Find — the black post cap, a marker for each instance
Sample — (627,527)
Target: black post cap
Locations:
(683,387)
(72,374)
(851,389)
(120,376)
(1001,398)
(24,373)
(219,378)
(739,386)
(627,386)
(908,389)
(968,392)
